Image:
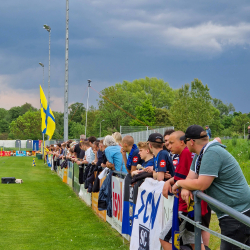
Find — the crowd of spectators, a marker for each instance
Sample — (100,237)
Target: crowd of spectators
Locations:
(167,158)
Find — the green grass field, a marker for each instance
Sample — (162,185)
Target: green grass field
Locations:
(44,213)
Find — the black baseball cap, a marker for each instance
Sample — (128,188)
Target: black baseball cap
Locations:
(155,137)
(193,132)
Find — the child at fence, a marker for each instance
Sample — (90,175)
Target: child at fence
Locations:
(178,146)
(162,160)
(134,158)
(147,156)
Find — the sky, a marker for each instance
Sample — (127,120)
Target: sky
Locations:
(115,40)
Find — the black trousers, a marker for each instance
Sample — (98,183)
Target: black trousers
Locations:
(236,230)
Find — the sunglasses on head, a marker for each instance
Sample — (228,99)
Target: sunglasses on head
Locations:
(186,140)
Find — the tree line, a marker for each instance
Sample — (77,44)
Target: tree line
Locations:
(152,101)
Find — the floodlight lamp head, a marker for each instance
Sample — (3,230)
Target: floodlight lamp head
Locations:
(89,82)
(45,26)
(41,64)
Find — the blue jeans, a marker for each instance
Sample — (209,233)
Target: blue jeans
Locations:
(236,230)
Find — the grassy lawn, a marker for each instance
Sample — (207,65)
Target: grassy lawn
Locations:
(44,213)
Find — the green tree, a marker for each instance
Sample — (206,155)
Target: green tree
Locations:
(110,111)
(162,117)
(3,113)
(4,126)
(27,126)
(76,112)
(192,106)
(13,113)
(59,118)
(238,123)
(224,109)
(145,113)
(26,107)
(75,130)
(159,92)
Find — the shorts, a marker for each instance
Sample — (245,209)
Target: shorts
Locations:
(186,231)
(205,220)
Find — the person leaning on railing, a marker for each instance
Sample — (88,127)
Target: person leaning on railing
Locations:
(215,171)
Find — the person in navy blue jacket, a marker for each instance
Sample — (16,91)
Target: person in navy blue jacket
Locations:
(133,157)
(162,161)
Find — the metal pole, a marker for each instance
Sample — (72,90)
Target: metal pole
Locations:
(244,131)
(89,81)
(43,78)
(66,86)
(100,128)
(49,72)
(197,218)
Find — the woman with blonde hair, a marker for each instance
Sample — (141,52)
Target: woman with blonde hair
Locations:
(113,154)
(118,137)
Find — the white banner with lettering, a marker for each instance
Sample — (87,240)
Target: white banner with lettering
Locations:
(117,203)
(149,216)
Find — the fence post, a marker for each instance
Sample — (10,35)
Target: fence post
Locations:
(197,218)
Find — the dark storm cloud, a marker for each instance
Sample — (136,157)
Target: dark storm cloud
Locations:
(114,40)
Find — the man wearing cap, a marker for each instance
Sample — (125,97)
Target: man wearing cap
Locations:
(215,171)
(162,161)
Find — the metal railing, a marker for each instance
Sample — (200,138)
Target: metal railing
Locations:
(198,196)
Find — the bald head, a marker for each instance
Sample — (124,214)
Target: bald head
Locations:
(128,139)
(177,134)
(176,145)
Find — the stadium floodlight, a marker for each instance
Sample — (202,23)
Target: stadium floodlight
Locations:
(47,27)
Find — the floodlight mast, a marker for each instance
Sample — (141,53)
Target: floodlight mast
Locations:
(47,27)
(43,73)
(66,85)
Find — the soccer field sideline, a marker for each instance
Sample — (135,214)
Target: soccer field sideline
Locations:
(44,213)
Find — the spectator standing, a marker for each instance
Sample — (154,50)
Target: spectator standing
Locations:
(113,154)
(118,138)
(77,148)
(208,130)
(162,160)
(178,146)
(215,171)
(134,158)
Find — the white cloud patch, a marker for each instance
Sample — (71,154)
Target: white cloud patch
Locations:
(10,97)
(206,37)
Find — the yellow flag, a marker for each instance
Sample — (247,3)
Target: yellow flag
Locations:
(48,119)
(43,106)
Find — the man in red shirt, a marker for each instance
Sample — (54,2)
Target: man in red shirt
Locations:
(178,146)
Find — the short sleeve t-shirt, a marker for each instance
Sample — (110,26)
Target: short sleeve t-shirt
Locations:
(136,159)
(148,163)
(82,154)
(229,186)
(163,163)
(77,150)
(90,156)
(181,172)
